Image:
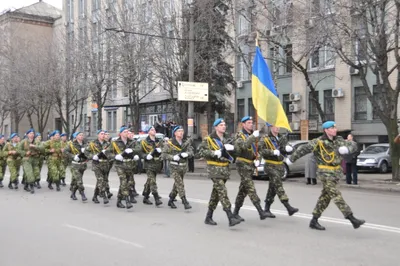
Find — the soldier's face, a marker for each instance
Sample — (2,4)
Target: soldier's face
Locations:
(152,132)
(179,133)
(248,125)
(101,136)
(80,137)
(124,134)
(31,135)
(56,137)
(64,138)
(39,138)
(1,140)
(221,128)
(332,131)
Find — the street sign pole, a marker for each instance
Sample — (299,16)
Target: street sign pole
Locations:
(190,122)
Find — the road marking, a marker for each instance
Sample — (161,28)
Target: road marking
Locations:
(103,235)
(376,227)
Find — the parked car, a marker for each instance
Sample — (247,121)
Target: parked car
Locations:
(375,157)
(298,167)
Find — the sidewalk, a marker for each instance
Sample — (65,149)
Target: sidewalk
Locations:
(366,180)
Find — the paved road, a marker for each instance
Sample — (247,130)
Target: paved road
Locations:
(50,229)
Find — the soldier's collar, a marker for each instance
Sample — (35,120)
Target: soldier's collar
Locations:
(175,142)
(244,131)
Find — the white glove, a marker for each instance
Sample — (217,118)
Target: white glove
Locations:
(136,157)
(128,150)
(343,150)
(277,152)
(103,151)
(288,148)
(184,154)
(76,158)
(82,150)
(256,163)
(229,147)
(119,157)
(149,157)
(218,153)
(256,133)
(288,161)
(158,150)
(95,157)
(176,158)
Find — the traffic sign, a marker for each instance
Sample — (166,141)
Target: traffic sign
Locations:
(192,91)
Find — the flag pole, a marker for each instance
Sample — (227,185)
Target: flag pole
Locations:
(256,117)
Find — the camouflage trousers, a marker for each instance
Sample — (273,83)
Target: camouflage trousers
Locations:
(63,168)
(100,170)
(151,183)
(41,161)
(246,186)
(219,193)
(110,165)
(54,165)
(124,174)
(177,174)
(14,167)
(131,181)
(3,166)
(30,165)
(330,192)
(77,171)
(275,174)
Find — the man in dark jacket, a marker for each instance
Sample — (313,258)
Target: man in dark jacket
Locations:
(351,164)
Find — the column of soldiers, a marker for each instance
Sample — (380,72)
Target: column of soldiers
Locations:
(219,151)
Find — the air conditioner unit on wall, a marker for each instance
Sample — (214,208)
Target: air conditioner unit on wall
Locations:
(239,84)
(293,108)
(337,93)
(353,71)
(295,126)
(294,97)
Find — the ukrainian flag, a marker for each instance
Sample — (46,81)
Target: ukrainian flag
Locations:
(264,94)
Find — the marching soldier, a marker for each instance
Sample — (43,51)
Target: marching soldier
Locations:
(328,150)
(76,152)
(273,148)
(38,141)
(150,151)
(215,149)
(13,160)
(3,162)
(54,150)
(131,182)
(123,150)
(245,149)
(64,159)
(178,153)
(110,165)
(96,150)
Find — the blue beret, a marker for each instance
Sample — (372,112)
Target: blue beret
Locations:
(75,134)
(13,135)
(37,135)
(54,132)
(100,130)
(268,124)
(218,121)
(1,136)
(63,134)
(122,129)
(176,128)
(105,131)
(328,124)
(246,118)
(29,131)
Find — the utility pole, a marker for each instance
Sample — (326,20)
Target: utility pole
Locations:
(191,68)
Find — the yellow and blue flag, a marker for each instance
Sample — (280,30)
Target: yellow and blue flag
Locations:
(265,97)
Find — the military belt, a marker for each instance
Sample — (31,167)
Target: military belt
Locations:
(273,162)
(176,163)
(244,160)
(328,167)
(218,163)
(100,160)
(73,162)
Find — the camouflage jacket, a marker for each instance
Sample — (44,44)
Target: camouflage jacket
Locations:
(148,146)
(96,147)
(325,151)
(118,146)
(75,148)
(24,146)
(11,147)
(56,145)
(172,147)
(3,156)
(216,167)
(269,143)
(245,148)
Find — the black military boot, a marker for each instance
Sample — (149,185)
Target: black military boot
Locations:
(186,203)
(109,194)
(10,185)
(267,210)
(314,181)
(50,186)
(308,181)
(1,184)
(132,197)
(63,182)
(58,186)
(232,220)
(289,208)
(32,188)
(209,220)
(147,201)
(16,184)
(135,194)
(38,185)
(96,193)
(262,214)
(26,188)
(128,203)
(171,202)
(83,196)
(73,196)
(157,199)
(104,196)
(355,222)
(236,213)
(119,204)
(315,225)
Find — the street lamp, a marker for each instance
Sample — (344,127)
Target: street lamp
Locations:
(191,65)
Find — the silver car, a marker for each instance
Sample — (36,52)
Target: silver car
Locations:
(298,167)
(375,157)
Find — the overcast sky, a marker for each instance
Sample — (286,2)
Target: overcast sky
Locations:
(6,4)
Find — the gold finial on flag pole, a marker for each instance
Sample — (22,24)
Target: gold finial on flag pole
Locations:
(257,38)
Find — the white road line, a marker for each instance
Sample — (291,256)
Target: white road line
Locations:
(103,235)
(376,227)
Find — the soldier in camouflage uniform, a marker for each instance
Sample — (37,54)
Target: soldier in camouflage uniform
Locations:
(96,150)
(30,152)
(215,149)
(273,148)
(245,149)
(123,150)
(64,159)
(54,150)
(3,163)
(38,141)
(150,151)
(110,165)
(76,153)
(177,153)
(131,182)
(328,151)
(13,160)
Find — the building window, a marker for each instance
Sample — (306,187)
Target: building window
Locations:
(242,72)
(70,10)
(329,105)
(243,24)
(285,104)
(378,97)
(82,8)
(329,57)
(250,108)
(360,50)
(96,4)
(240,108)
(312,106)
(360,104)
(289,58)
(314,59)
(114,92)
(112,120)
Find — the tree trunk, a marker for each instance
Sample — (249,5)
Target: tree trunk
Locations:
(392,130)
